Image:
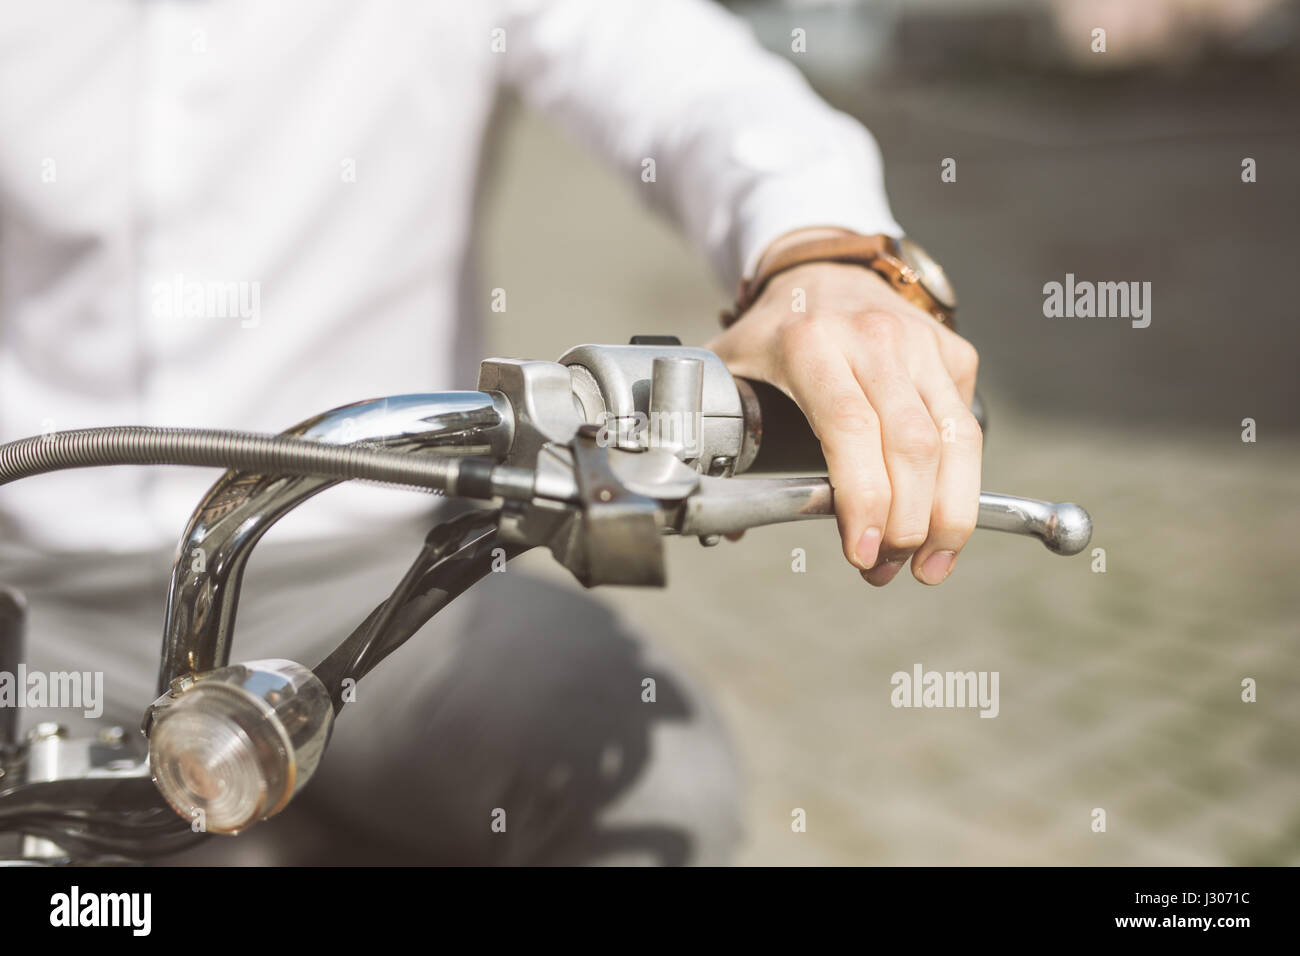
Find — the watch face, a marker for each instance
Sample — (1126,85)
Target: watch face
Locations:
(933,279)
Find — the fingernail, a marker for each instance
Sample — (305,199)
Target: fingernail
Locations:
(882,574)
(868,548)
(937,566)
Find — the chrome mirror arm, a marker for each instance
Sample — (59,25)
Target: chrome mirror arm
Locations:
(237,511)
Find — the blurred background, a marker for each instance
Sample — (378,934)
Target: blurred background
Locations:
(1119,690)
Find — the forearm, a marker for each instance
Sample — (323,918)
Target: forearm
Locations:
(743,150)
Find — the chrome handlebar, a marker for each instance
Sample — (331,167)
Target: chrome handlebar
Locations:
(670,421)
(239,509)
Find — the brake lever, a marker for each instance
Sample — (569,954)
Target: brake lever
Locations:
(701,505)
(729,505)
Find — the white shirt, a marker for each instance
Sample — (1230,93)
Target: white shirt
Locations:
(240,213)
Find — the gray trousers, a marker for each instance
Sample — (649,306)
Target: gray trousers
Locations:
(523,696)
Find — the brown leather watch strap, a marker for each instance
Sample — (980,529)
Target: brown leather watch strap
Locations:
(878,253)
(863,250)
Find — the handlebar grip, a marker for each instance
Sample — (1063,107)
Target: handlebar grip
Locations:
(777,436)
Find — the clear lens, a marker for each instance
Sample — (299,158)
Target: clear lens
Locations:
(222,752)
(203,759)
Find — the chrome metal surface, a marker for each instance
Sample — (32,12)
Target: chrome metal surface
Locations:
(676,405)
(1065,527)
(546,403)
(241,507)
(624,377)
(728,505)
(45,745)
(53,756)
(723,506)
(619,528)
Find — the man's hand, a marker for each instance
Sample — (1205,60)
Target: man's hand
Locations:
(887,389)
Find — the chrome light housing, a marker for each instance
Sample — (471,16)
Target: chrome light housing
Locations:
(233,746)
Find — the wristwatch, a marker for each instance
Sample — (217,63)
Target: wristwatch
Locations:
(901,262)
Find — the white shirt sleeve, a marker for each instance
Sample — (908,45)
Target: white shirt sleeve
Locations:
(743,149)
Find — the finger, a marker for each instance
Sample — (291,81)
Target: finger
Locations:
(961,361)
(909,439)
(955,508)
(823,384)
